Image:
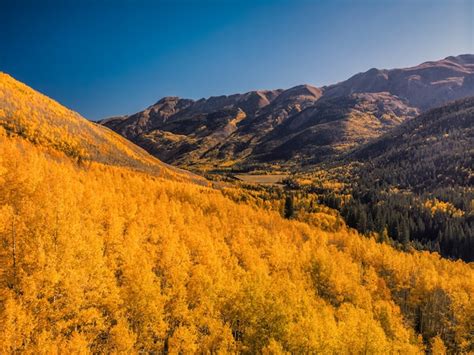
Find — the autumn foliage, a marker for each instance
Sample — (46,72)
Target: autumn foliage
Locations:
(101,258)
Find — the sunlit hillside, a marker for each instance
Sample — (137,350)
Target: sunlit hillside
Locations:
(37,118)
(104,258)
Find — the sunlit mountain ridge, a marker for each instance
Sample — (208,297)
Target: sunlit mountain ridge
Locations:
(294,128)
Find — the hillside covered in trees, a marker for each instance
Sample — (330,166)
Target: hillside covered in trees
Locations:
(413,186)
(42,121)
(104,257)
(416,182)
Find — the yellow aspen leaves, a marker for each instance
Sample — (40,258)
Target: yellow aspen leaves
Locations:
(104,258)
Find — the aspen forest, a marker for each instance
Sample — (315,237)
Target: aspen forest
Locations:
(127,255)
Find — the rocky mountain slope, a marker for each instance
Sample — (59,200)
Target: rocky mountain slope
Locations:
(295,127)
(332,126)
(423,86)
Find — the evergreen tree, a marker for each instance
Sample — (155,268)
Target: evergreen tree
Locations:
(289,209)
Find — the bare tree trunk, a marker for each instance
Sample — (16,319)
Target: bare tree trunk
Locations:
(14,283)
(14,251)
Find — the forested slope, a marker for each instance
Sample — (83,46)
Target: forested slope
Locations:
(432,151)
(98,258)
(418,180)
(41,120)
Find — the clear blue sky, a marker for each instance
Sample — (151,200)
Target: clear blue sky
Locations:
(103,58)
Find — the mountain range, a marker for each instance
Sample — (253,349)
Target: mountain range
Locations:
(297,127)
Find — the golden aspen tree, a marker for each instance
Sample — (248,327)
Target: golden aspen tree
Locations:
(437,346)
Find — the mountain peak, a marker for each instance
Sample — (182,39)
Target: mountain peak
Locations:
(168,99)
(462,58)
(304,90)
(423,86)
(172,101)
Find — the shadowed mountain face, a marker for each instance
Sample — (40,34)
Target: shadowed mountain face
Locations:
(433,150)
(417,181)
(332,126)
(299,126)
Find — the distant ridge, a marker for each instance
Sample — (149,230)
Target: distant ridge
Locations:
(424,86)
(292,128)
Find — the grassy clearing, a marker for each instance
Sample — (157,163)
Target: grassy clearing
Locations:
(262,179)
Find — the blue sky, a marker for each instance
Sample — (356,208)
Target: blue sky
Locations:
(105,57)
